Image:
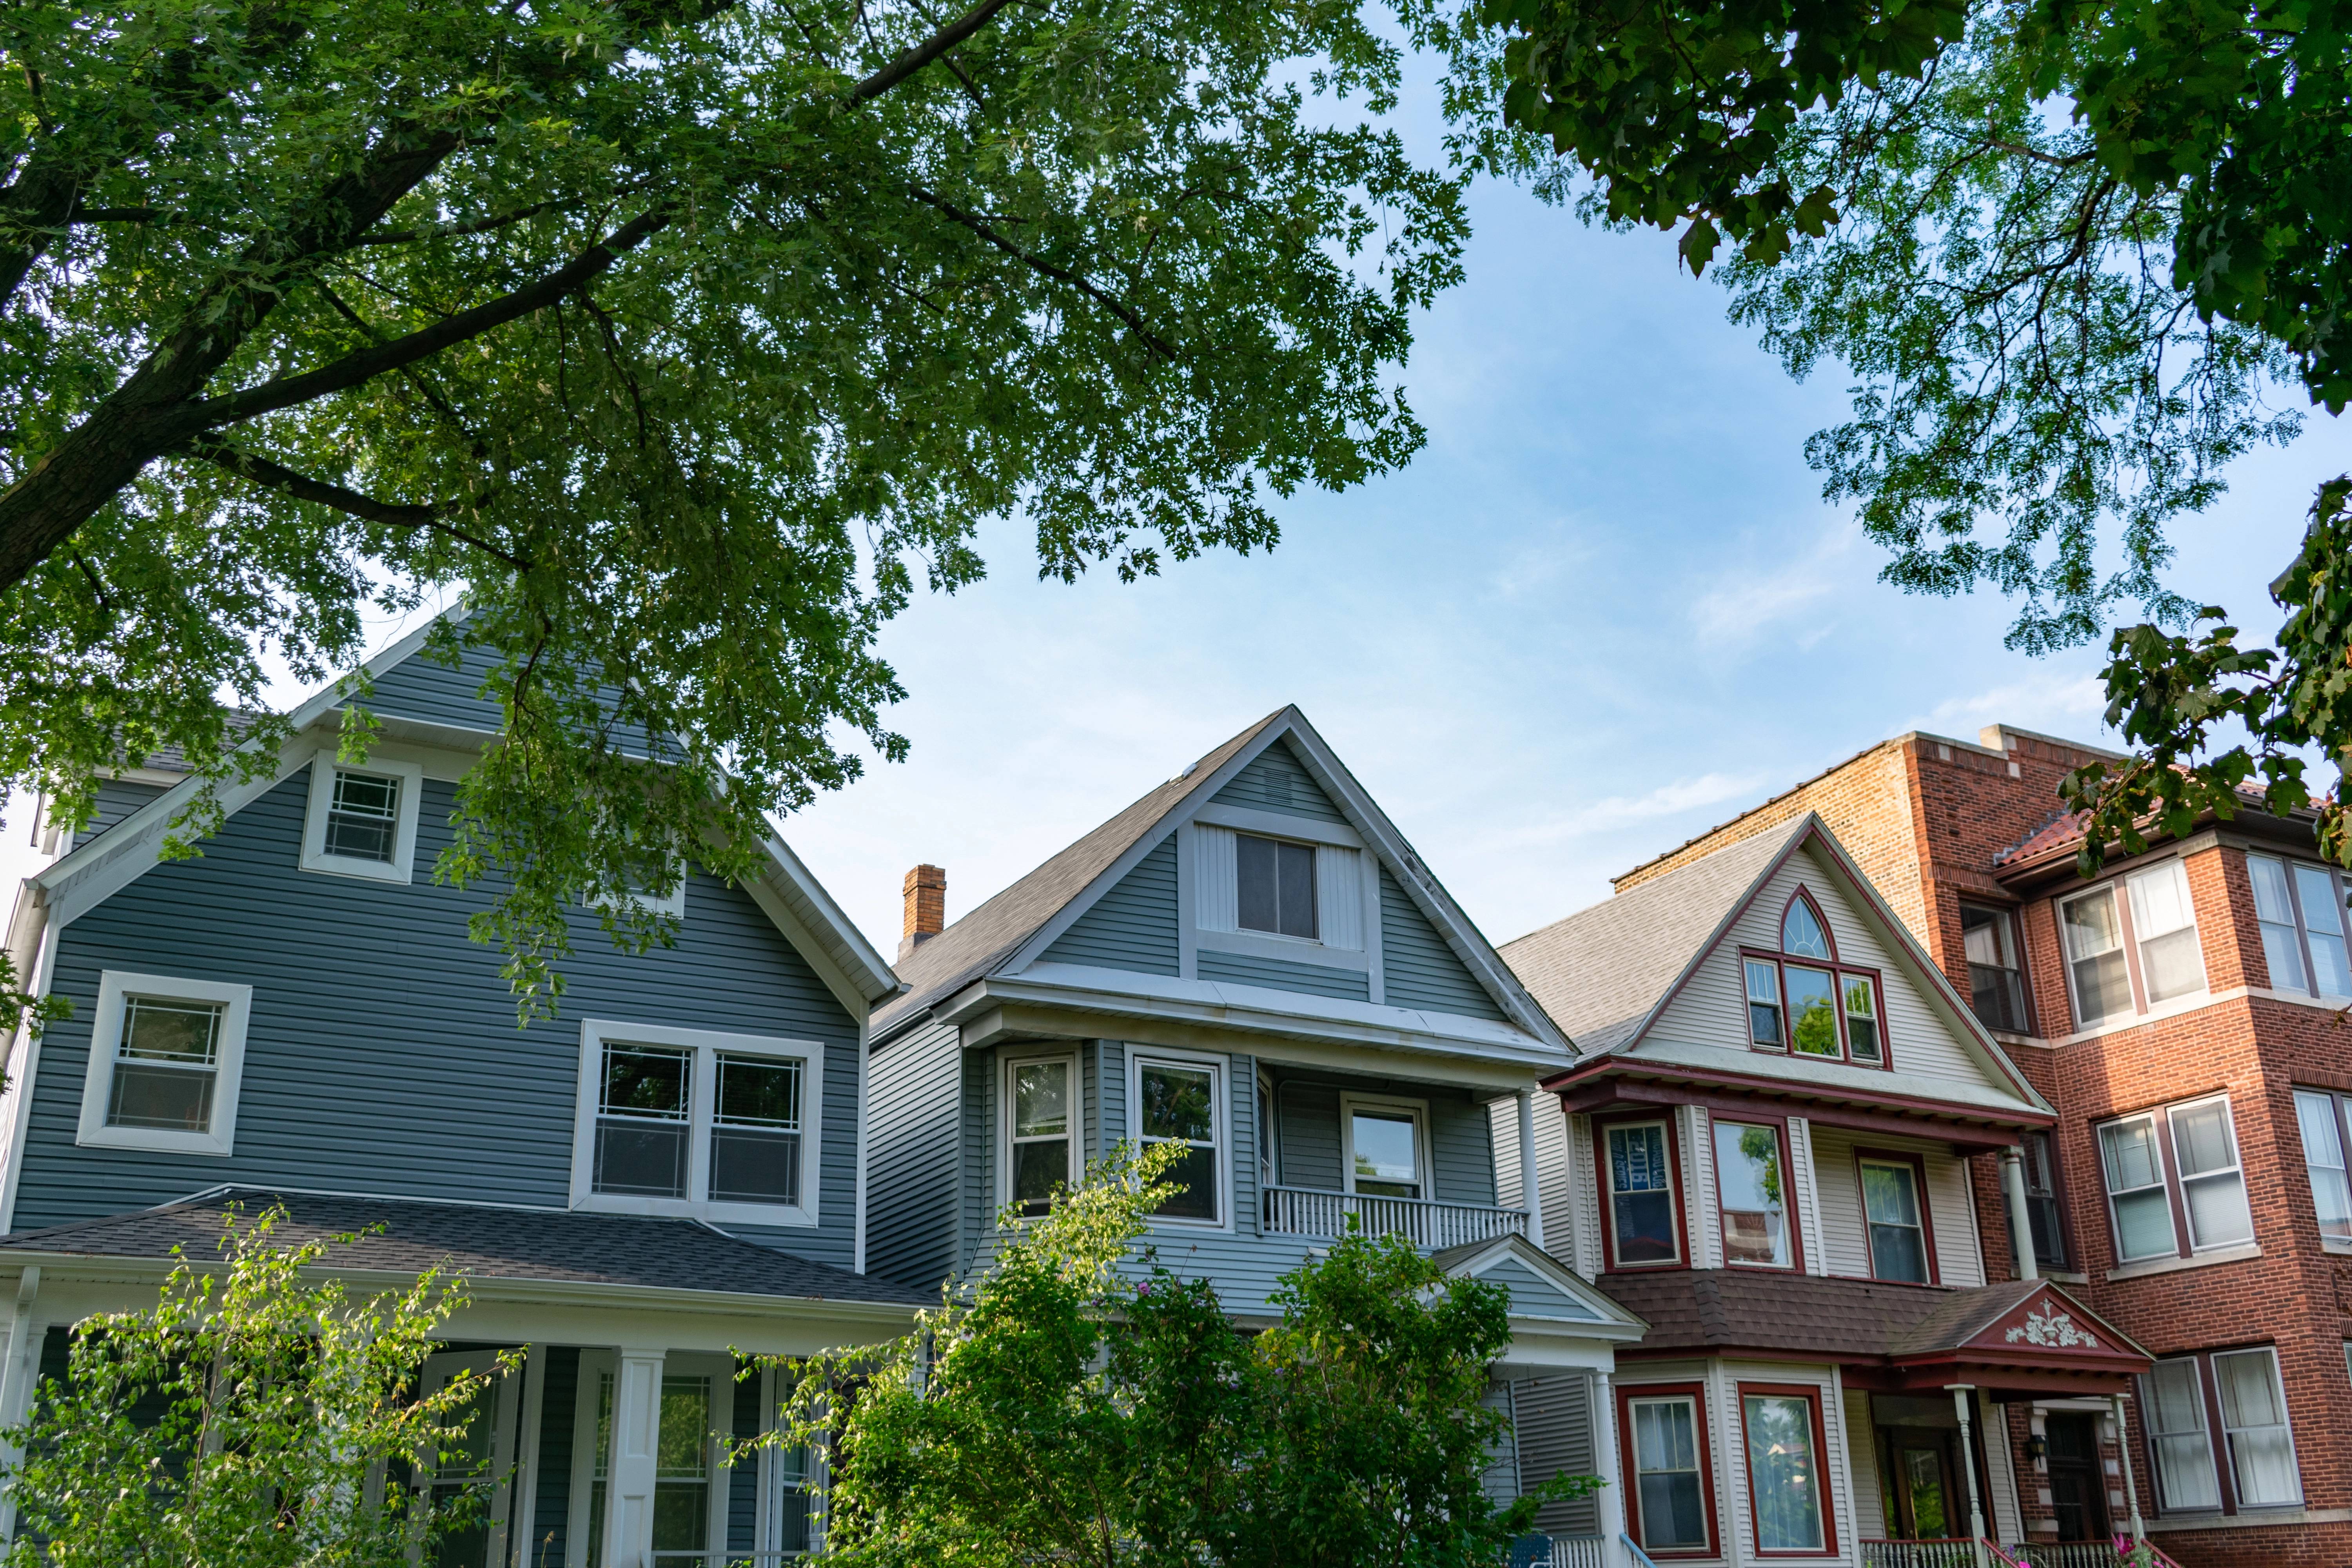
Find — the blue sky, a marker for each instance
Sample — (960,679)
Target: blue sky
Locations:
(1604,608)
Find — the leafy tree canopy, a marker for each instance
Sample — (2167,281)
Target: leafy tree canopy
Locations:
(1079,1403)
(684,336)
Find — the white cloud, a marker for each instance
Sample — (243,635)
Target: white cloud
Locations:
(2063,701)
(1745,603)
(1612,812)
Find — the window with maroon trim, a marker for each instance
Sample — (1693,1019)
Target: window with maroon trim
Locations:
(1637,1168)
(1670,1503)
(2217,1431)
(1751,1194)
(2175,1187)
(1803,999)
(1895,1213)
(1781,1426)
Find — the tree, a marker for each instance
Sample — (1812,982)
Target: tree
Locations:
(253,1419)
(2065,248)
(677,335)
(1079,1402)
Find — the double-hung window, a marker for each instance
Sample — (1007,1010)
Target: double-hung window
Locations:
(1183,1100)
(361,820)
(1895,1209)
(2174,1185)
(1996,980)
(2044,1217)
(1041,1132)
(1801,998)
(1785,1440)
(1665,1449)
(2324,1119)
(2128,953)
(165,1061)
(2301,909)
(1637,1162)
(1752,1194)
(687,1122)
(2218,1433)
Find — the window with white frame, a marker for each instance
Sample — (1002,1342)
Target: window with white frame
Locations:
(2238,1394)
(689,1123)
(2300,908)
(1637,1165)
(2174,1185)
(2325,1120)
(166,1059)
(361,820)
(1041,1130)
(2153,922)
(1181,1100)
(1387,1147)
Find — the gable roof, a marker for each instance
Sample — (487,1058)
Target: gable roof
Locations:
(106,863)
(1542,1286)
(1007,932)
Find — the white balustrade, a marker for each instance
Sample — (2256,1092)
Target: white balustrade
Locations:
(1304,1211)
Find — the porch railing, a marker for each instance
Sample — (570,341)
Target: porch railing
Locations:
(1303,1211)
(1954,1552)
(1578,1552)
(2117,1554)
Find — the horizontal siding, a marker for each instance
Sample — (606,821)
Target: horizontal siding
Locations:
(117,798)
(1275,781)
(1554,1417)
(1837,1182)
(910,1173)
(1501,1479)
(1461,1151)
(1418,969)
(1861,1461)
(1310,1135)
(1311,979)
(1133,925)
(422,688)
(383,1054)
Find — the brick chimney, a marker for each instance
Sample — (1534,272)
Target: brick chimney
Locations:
(926,892)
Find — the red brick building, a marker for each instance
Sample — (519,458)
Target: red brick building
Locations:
(2185,1015)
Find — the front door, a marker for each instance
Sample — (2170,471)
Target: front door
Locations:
(472,1470)
(1919,1486)
(2078,1492)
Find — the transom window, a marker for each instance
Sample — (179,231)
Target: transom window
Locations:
(2325,1120)
(1274,886)
(1752,1195)
(2300,909)
(2174,1186)
(2154,922)
(166,1053)
(1892,1206)
(1802,999)
(1182,1102)
(1669,1491)
(1639,1169)
(686,1122)
(2236,1393)
(1041,1132)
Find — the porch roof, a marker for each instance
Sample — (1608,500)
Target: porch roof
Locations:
(2021,1334)
(484,1242)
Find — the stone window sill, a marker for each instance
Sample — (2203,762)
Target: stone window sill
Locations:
(2174,1264)
(2252,1518)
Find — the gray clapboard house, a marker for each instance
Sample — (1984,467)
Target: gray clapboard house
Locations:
(1251,960)
(671,1170)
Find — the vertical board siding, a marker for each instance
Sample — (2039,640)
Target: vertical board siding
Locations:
(1417,969)
(1273,974)
(1275,781)
(552,1504)
(911,1174)
(1844,1236)
(1554,1420)
(117,798)
(1711,1007)
(1133,925)
(383,1054)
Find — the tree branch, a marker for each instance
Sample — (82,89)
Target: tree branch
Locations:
(277,476)
(452,230)
(349,371)
(1110,302)
(924,53)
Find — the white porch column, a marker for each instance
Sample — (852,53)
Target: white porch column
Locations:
(629,1471)
(2020,1223)
(1530,1185)
(1606,1465)
(18,1374)
(1963,1398)
(2131,1486)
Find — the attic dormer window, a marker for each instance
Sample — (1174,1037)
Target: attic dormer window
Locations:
(1274,886)
(1804,1000)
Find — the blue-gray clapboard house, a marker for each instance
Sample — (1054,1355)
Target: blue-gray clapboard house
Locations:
(672,1171)
(1251,961)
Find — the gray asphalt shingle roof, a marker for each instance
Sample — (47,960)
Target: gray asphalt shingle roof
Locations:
(1601,971)
(484,1243)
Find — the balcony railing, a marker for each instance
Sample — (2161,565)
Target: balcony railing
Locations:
(1998,996)
(1303,1211)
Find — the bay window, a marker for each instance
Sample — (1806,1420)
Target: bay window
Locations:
(1637,1165)
(2217,1432)
(2127,954)
(1785,1443)
(2174,1184)
(1665,1439)
(1751,1194)
(696,1124)
(1802,998)
(2324,1119)
(2300,908)
(1894,1208)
